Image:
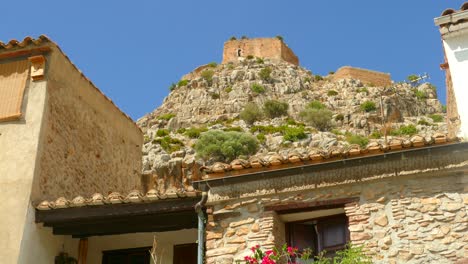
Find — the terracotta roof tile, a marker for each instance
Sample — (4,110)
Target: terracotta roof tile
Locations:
(29,42)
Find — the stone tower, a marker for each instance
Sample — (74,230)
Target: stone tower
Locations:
(270,48)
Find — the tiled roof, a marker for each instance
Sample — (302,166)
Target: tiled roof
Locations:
(114,198)
(318,155)
(28,42)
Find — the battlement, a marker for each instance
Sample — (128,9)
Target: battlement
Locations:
(270,48)
(364,75)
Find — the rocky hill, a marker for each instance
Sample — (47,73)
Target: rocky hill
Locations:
(213,97)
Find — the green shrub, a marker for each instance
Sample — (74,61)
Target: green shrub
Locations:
(265,74)
(332,93)
(357,139)
(261,138)
(444,109)
(228,89)
(336,132)
(412,78)
(375,134)
(421,95)
(166,117)
(339,117)
(169,144)
(250,57)
(257,88)
(146,139)
(233,128)
(294,133)
(363,90)
(244,37)
(368,106)
(279,37)
(162,132)
(436,118)
(230,66)
(331,72)
(212,64)
(290,121)
(267,129)
(233,38)
(182,83)
(172,87)
(307,80)
(259,61)
(273,108)
(251,113)
(319,118)
(316,105)
(225,146)
(195,132)
(214,96)
(181,130)
(208,76)
(371,84)
(423,122)
(318,78)
(404,130)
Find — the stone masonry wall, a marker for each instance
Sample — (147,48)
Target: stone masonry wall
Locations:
(271,48)
(365,76)
(406,219)
(88,144)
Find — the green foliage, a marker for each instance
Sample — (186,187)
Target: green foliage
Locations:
(233,38)
(261,138)
(208,76)
(172,87)
(351,255)
(444,109)
(331,72)
(307,79)
(294,133)
(339,117)
(146,139)
(182,83)
(404,130)
(214,96)
(332,93)
(228,89)
(336,132)
(279,37)
(181,130)
(371,84)
(225,146)
(357,139)
(195,132)
(423,122)
(412,77)
(315,105)
(244,37)
(250,57)
(319,118)
(273,108)
(259,60)
(421,95)
(290,121)
(251,113)
(166,117)
(267,129)
(363,90)
(368,106)
(169,144)
(265,74)
(230,66)
(162,132)
(63,258)
(375,134)
(212,64)
(233,128)
(318,78)
(436,118)
(257,88)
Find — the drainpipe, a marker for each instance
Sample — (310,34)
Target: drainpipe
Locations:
(201,227)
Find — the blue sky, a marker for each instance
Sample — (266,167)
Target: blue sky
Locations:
(134,50)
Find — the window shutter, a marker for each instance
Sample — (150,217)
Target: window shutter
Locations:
(13,77)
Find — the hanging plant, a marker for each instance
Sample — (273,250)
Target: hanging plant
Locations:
(63,258)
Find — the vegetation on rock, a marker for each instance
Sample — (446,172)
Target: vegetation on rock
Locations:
(436,118)
(251,113)
(368,106)
(357,139)
(166,116)
(273,108)
(257,88)
(265,74)
(225,146)
(317,115)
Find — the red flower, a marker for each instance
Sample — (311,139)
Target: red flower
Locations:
(292,251)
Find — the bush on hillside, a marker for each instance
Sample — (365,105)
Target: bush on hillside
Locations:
(436,118)
(368,106)
(225,146)
(357,139)
(194,132)
(162,132)
(251,113)
(318,118)
(182,83)
(257,88)
(315,105)
(273,108)
(294,133)
(208,76)
(332,93)
(265,74)
(166,117)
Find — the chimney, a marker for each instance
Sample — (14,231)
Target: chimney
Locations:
(453,27)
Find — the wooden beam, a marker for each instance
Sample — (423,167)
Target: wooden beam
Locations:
(25,53)
(296,206)
(82,251)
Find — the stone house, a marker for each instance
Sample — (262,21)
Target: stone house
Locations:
(61,137)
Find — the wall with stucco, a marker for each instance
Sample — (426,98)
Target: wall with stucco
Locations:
(366,76)
(456,50)
(19,142)
(89,145)
(271,48)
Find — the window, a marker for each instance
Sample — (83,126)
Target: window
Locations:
(13,78)
(127,256)
(239,52)
(328,234)
(185,254)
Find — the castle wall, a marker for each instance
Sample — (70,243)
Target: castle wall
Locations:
(416,217)
(89,145)
(365,76)
(270,48)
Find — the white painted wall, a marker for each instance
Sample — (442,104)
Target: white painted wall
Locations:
(456,48)
(166,242)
